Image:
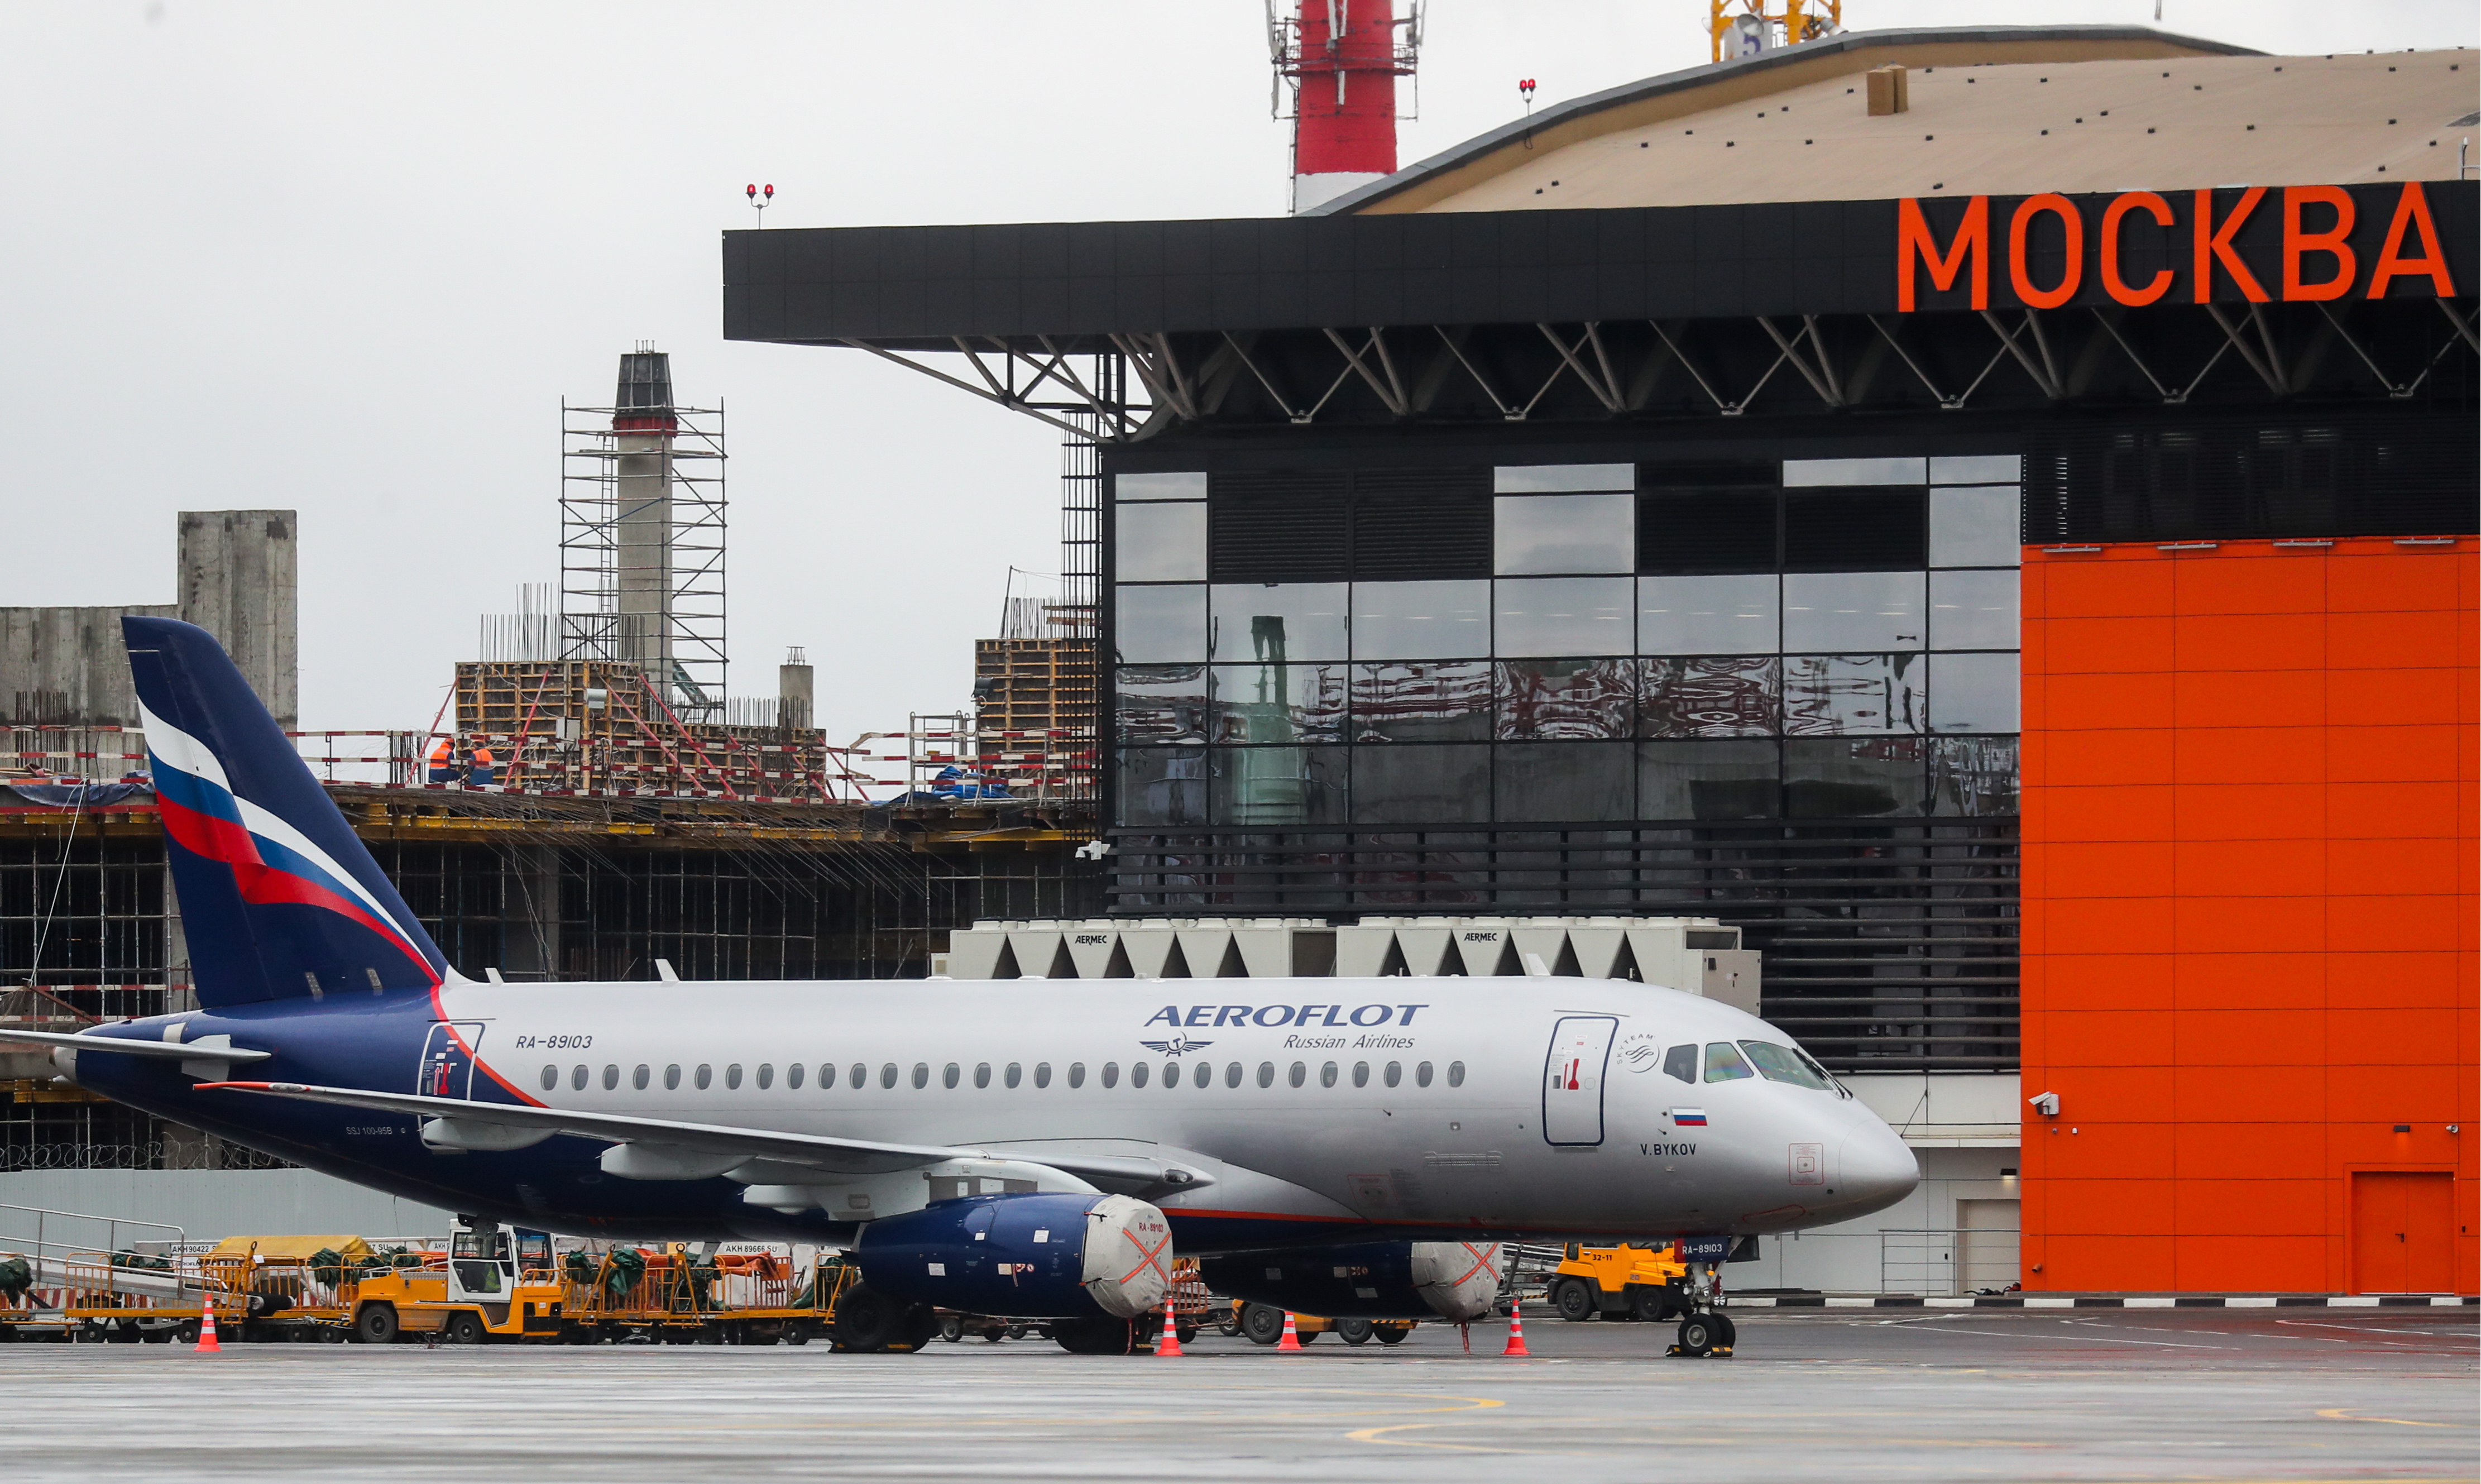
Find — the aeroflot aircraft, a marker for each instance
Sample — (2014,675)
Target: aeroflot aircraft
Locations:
(1337,1146)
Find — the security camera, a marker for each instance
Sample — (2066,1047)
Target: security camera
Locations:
(1093,849)
(2045,1104)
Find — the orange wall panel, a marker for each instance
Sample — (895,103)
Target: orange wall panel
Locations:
(2231,1043)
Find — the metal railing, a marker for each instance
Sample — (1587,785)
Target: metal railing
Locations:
(153,1155)
(1948,1260)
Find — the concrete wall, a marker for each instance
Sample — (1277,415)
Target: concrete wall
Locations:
(1858,1257)
(61,666)
(210,1204)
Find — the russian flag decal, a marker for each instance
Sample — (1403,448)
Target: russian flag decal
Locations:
(1689,1117)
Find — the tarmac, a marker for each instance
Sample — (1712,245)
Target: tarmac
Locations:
(2086,1395)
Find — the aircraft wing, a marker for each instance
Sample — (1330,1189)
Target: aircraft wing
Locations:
(206,1050)
(841,1156)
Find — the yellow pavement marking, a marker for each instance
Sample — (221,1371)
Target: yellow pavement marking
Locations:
(2345,1414)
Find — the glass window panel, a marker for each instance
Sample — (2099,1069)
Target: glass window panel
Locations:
(1552,700)
(1402,702)
(1279,785)
(1973,610)
(1437,620)
(1832,696)
(1975,693)
(1273,622)
(1567,616)
(1561,782)
(1855,471)
(1844,611)
(1711,695)
(1279,703)
(1836,778)
(1708,780)
(1161,785)
(1419,785)
(1159,625)
(1977,469)
(1159,543)
(1973,775)
(1709,615)
(1564,534)
(1976,527)
(1184,484)
(1553,478)
(1159,703)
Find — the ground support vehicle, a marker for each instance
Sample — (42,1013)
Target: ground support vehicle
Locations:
(675,1297)
(1264,1324)
(1651,1284)
(69,1276)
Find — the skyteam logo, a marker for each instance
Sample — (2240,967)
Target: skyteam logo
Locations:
(1178,1045)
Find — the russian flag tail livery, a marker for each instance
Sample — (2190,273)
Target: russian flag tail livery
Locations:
(278,899)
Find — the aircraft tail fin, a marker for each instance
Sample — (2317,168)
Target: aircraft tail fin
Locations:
(279,898)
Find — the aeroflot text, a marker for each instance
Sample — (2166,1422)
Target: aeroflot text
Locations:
(1284,1015)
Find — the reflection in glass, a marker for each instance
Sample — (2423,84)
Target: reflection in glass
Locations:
(1731,614)
(1977,528)
(1797,472)
(1279,785)
(1418,785)
(1844,611)
(1159,625)
(1711,695)
(1434,620)
(1564,534)
(1161,785)
(1973,775)
(1552,478)
(1566,615)
(1159,543)
(1973,610)
(1161,703)
(1558,782)
(1708,780)
(1409,702)
(1832,696)
(1279,703)
(1584,700)
(1975,693)
(1858,777)
(1186,484)
(1977,469)
(1273,622)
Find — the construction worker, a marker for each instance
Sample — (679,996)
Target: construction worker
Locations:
(443,762)
(483,771)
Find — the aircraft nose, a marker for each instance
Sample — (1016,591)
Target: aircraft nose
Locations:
(1877,1170)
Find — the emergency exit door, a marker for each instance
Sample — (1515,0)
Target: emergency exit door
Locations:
(2403,1232)
(1572,1077)
(447,1069)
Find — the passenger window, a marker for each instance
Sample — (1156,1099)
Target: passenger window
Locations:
(1680,1061)
(827,1075)
(576,1078)
(887,1075)
(793,1076)
(1455,1074)
(858,1076)
(1265,1074)
(1724,1064)
(731,1076)
(1300,1073)
(1395,1073)
(1076,1074)
(921,1075)
(1422,1075)
(1782,1064)
(1171,1074)
(1112,1073)
(981,1073)
(766,1076)
(1016,1074)
(1232,1074)
(1361,1073)
(952,1076)
(672,1078)
(705,1076)
(1326,1075)
(610,1078)
(1137,1074)
(551,1078)
(641,1077)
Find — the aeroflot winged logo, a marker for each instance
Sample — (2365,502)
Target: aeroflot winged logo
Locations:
(271,861)
(1176,1046)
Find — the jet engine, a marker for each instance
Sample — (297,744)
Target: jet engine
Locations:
(1023,1256)
(1366,1281)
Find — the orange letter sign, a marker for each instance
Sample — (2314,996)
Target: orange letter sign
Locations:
(2020,226)
(2411,210)
(2298,243)
(2153,206)
(2213,241)
(1913,241)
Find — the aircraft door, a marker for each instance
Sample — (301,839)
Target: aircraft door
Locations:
(1572,1075)
(447,1069)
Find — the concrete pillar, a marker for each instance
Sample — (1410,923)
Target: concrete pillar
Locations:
(240,580)
(796,691)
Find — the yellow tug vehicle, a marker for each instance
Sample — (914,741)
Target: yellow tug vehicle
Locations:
(1648,1284)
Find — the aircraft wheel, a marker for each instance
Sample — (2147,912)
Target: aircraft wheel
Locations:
(1730,1331)
(1353,1332)
(1574,1301)
(1700,1334)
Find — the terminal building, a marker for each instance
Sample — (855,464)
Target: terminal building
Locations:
(1987,514)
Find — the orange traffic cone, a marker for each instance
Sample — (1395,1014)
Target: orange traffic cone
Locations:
(1516,1332)
(1168,1343)
(1291,1339)
(207,1331)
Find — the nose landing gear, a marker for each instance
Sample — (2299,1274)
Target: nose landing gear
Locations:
(1707,1333)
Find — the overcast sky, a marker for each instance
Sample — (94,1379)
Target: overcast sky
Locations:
(348,258)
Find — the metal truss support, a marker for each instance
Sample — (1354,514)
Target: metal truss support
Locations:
(1052,367)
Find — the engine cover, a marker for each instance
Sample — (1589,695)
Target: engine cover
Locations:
(1023,1256)
(1366,1281)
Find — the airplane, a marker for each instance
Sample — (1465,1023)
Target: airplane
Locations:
(1351,1147)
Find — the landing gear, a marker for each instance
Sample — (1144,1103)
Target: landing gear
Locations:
(1705,1331)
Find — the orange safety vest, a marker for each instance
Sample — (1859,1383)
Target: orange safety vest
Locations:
(442,755)
(481,757)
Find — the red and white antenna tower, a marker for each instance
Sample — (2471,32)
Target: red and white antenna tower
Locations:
(1340,59)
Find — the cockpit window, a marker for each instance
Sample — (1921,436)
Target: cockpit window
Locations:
(1680,1061)
(1783,1065)
(1723,1063)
